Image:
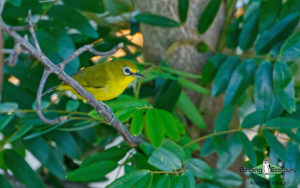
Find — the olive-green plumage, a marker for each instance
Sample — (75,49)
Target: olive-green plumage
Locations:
(105,81)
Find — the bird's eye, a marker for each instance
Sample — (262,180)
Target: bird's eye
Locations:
(127,71)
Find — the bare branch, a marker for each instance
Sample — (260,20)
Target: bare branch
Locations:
(7,51)
(21,28)
(13,57)
(31,29)
(103,109)
(1,7)
(89,47)
(39,99)
(110,52)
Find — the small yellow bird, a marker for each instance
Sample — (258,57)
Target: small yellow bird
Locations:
(106,80)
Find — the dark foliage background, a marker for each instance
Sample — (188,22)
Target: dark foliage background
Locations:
(255,68)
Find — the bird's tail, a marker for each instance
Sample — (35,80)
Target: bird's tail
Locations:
(49,90)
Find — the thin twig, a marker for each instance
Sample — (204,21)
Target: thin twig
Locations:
(89,47)
(31,30)
(39,99)
(13,57)
(1,7)
(7,51)
(102,108)
(21,28)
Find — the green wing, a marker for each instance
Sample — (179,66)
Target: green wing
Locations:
(94,76)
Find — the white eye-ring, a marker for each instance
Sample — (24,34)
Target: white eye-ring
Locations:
(127,71)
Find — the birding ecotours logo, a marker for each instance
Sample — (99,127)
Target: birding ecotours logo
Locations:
(266,170)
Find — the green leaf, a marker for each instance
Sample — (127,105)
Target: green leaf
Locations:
(21,132)
(86,5)
(183,8)
(40,133)
(47,41)
(72,105)
(254,118)
(172,126)
(200,169)
(92,172)
(147,148)
(208,15)
(269,10)
(114,153)
(207,147)
(280,31)
(235,148)
(164,160)
(233,33)
(156,20)
(191,85)
(137,123)
(168,95)
(189,109)
(284,123)
(290,50)
(189,179)
(227,178)
(21,169)
(124,114)
(118,7)
(249,32)
(178,181)
(16,3)
(125,101)
(66,48)
(224,74)
(263,87)
(248,148)
(154,127)
(174,148)
(7,107)
(224,118)
(275,145)
(144,182)
(242,77)
(162,182)
(289,7)
(4,183)
(4,121)
(67,143)
(284,86)
(73,19)
(220,145)
(43,152)
(181,73)
(211,66)
(129,180)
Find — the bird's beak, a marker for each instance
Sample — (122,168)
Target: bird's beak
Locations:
(138,75)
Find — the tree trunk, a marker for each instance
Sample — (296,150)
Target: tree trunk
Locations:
(178,47)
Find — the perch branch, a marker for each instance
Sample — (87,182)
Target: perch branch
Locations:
(31,30)
(89,47)
(102,108)
(39,99)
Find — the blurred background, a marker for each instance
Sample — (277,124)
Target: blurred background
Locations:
(221,92)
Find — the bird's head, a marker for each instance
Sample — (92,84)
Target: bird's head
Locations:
(128,69)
